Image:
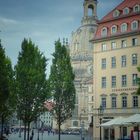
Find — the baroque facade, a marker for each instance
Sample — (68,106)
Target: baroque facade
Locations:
(116,51)
(82,62)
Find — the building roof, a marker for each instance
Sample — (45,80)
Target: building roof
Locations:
(126,3)
(109,20)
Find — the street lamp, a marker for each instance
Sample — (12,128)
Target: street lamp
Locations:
(100,114)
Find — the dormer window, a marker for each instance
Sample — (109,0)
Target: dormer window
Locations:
(136,8)
(124,27)
(104,31)
(113,29)
(126,11)
(134,25)
(116,13)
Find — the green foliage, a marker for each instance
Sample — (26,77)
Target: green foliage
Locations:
(61,82)
(31,83)
(4,85)
(6,82)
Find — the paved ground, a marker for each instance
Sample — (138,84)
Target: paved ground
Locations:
(46,137)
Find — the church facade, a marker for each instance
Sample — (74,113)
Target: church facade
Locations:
(82,62)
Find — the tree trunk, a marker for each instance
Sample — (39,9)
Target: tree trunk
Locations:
(2,122)
(25,131)
(59,128)
(28,130)
(59,123)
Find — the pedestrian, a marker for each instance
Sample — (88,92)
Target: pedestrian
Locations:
(31,137)
(32,134)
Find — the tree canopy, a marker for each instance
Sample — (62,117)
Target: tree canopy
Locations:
(61,82)
(31,83)
(6,87)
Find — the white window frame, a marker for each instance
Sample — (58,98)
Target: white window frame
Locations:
(134,79)
(126,11)
(134,59)
(113,62)
(103,82)
(113,81)
(134,41)
(113,45)
(114,101)
(103,63)
(138,8)
(124,101)
(114,29)
(124,80)
(104,31)
(103,100)
(123,43)
(135,101)
(104,47)
(123,60)
(134,25)
(123,27)
(116,13)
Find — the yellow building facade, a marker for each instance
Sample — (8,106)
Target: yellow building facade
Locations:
(116,56)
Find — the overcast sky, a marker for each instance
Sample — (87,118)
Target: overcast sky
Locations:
(44,21)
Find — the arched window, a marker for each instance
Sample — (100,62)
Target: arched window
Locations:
(123,27)
(116,13)
(90,10)
(114,29)
(126,11)
(104,31)
(134,25)
(136,8)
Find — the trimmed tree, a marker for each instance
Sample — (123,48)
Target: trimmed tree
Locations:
(61,83)
(6,84)
(31,84)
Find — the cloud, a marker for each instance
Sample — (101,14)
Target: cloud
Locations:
(8,21)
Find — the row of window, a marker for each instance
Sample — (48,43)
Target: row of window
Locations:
(123,28)
(134,42)
(124,101)
(126,11)
(134,61)
(123,81)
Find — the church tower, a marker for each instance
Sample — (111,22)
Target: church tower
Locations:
(90,12)
(82,62)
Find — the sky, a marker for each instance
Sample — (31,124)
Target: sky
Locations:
(43,21)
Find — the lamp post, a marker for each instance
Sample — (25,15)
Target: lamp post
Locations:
(100,114)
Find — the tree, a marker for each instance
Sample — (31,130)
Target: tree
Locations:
(31,83)
(138,91)
(6,84)
(61,82)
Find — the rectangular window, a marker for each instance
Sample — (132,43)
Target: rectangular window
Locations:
(104,63)
(113,81)
(123,61)
(134,79)
(114,104)
(103,82)
(123,43)
(124,101)
(113,45)
(124,80)
(135,101)
(104,48)
(113,62)
(134,59)
(104,102)
(134,42)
